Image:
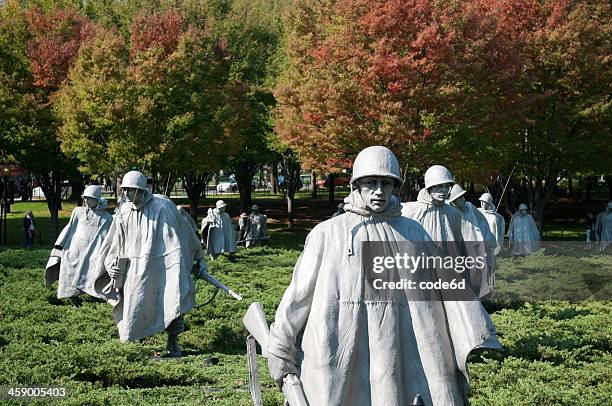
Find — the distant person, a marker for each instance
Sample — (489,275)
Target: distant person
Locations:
(523,233)
(241,227)
(256,232)
(591,222)
(29,229)
(218,232)
(74,258)
(603,226)
(339,210)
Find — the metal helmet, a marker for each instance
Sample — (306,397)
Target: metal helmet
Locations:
(487,198)
(134,179)
(456,192)
(523,206)
(94,191)
(437,175)
(376,161)
(220,204)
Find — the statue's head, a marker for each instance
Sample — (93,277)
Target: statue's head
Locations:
(220,205)
(486,201)
(523,209)
(438,182)
(92,195)
(457,197)
(134,184)
(375,175)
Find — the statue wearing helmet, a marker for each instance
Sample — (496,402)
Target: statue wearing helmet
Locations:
(441,221)
(603,226)
(218,232)
(75,254)
(347,349)
(523,233)
(146,263)
(478,238)
(255,228)
(496,221)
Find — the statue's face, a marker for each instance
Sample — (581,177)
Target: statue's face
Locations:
(523,212)
(134,195)
(440,193)
(222,209)
(459,202)
(485,205)
(376,192)
(91,202)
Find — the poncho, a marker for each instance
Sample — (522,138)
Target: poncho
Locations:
(256,229)
(497,225)
(80,240)
(603,226)
(441,221)
(479,240)
(221,236)
(161,248)
(523,235)
(352,351)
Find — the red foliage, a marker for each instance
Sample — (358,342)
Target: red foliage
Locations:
(161,29)
(56,39)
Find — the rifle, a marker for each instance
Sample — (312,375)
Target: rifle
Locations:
(255,322)
(203,274)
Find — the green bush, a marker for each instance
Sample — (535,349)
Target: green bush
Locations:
(554,352)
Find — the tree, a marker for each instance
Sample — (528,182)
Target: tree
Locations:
(252,30)
(45,44)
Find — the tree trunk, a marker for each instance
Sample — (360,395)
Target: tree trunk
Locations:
(194,186)
(292,171)
(169,180)
(313,185)
(331,186)
(274,179)
(51,185)
(244,172)
(609,184)
(570,187)
(78,187)
(589,189)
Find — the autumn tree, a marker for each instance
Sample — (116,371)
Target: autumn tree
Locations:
(43,48)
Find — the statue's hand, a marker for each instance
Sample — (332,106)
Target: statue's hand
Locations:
(114,272)
(279,368)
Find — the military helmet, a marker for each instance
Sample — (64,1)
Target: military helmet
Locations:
(376,161)
(94,191)
(456,192)
(437,175)
(134,179)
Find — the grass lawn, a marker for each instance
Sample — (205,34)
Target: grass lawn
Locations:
(554,352)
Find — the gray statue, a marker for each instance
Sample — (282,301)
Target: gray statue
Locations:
(349,350)
(339,210)
(256,228)
(479,239)
(187,216)
(218,232)
(496,221)
(523,233)
(146,263)
(441,221)
(603,226)
(74,258)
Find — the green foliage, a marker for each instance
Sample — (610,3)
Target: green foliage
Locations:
(554,353)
